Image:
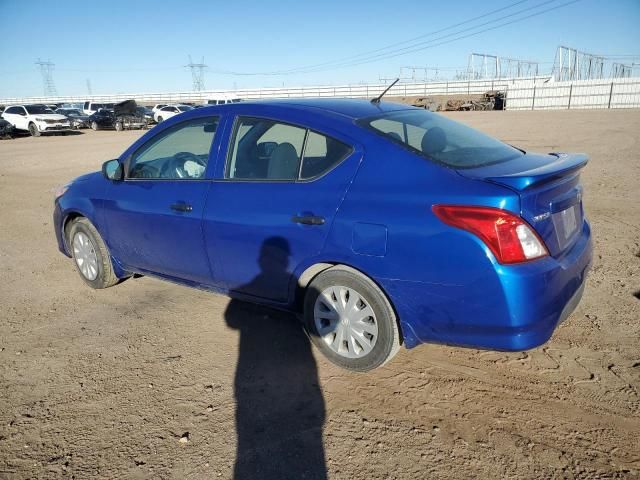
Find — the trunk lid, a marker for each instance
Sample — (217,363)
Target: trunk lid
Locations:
(550,193)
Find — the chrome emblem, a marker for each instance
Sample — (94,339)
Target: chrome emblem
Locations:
(542,216)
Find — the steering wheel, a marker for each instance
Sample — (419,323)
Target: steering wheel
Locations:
(174,168)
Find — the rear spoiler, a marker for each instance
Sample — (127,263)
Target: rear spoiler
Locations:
(541,169)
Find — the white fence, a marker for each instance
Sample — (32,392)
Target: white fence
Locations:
(521,93)
(549,95)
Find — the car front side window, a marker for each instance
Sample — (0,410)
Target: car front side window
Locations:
(179,153)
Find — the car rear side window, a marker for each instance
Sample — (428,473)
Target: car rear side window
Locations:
(264,149)
(321,154)
(441,139)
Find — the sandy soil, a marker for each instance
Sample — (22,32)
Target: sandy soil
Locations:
(154,380)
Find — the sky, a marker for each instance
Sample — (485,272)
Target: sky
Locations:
(138,46)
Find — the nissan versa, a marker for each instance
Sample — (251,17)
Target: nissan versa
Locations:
(382,224)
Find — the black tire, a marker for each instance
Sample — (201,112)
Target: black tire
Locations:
(33,130)
(94,125)
(105,275)
(388,339)
(119,126)
(159,119)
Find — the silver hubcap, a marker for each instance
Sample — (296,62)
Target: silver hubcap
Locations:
(345,321)
(85,256)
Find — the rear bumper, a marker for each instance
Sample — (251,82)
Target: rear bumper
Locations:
(511,308)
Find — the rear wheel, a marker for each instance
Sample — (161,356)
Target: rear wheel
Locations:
(33,130)
(94,125)
(90,254)
(350,319)
(119,126)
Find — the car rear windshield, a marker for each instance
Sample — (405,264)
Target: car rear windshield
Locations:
(440,139)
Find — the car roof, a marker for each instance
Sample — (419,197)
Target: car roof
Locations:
(348,107)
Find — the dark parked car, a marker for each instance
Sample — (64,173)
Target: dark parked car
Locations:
(75,116)
(102,119)
(124,116)
(382,224)
(6,129)
(147,113)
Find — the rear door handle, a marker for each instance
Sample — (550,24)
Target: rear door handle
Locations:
(308,220)
(181,207)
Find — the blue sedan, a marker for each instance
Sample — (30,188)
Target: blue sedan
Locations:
(383,225)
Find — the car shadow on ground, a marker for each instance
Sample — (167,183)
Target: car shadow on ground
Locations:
(280,409)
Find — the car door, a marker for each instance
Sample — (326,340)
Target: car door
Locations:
(154,216)
(17,116)
(270,211)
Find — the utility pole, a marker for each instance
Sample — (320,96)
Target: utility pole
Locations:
(197,74)
(46,70)
(89,91)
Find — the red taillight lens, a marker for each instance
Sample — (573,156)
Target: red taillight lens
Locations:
(508,236)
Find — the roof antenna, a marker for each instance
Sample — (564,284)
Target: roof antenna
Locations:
(377,99)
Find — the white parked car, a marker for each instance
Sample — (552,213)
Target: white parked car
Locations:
(158,106)
(221,101)
(169,111)
(36,119)
(89,108)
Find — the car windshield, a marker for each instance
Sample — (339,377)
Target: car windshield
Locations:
(37,109)
(71,111)
(442,140)
(185,108)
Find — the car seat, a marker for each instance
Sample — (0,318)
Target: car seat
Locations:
(283,163)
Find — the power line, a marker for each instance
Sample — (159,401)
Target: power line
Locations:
(369,58)
(412,39)
(426,45)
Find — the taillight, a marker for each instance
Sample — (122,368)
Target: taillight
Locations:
(508,236)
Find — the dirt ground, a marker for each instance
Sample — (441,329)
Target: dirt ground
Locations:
(154,380)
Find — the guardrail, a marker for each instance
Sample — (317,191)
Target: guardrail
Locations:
(466,87)
(535,93)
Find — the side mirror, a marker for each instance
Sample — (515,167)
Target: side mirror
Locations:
(113,170)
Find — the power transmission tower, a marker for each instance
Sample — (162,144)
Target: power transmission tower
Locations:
(572,64)
(197,74)
(89,87)
(46,69)
(620,70)
(484,66)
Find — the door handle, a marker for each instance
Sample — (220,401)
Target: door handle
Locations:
(308,220)
(181,207)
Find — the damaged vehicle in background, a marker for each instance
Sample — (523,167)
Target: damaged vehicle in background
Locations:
(147,113)
(76,117)
(124,116)
(36,119)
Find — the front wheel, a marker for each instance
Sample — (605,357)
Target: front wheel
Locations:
(159,119)
(90,254)
(119,126)
(350,320)
(33,130)
(94,125)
